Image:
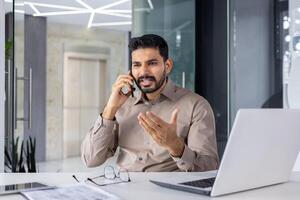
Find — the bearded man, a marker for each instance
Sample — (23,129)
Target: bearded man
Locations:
(161,128)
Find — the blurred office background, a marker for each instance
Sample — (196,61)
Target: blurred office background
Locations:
(65,55)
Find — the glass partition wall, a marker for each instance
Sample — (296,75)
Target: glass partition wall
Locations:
(58,77)
(197,38)
(291,61)
(291,56)
(256,44)
(14,83)
(166,18)
(24,113)
(9,75)
(264,55)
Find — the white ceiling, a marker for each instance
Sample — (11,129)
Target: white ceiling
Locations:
(108,14)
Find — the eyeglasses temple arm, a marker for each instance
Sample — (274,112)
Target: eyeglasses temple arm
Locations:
(75,178)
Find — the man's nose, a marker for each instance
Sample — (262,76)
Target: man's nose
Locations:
(145,67)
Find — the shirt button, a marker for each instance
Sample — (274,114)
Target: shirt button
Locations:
(140,158)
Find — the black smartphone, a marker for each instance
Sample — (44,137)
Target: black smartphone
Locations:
(125,90)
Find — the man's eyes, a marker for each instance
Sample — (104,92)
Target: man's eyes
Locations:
(136,65)
(150,63)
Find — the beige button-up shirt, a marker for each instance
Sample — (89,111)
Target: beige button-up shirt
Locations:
(138,151)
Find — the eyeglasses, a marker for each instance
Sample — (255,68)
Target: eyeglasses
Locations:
(109,174)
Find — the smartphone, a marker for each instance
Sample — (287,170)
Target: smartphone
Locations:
(126,90)
(16,188)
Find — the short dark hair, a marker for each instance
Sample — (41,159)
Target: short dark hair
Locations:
(150,41)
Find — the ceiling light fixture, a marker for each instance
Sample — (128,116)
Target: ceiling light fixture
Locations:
(80,12)
(34,8)
(112,13)
(16,4)
(151,7)
(112,23)
(91,20)
(19,11)
(150,4)
(119,11)
(85,9)
(112,4)
(45,5)
(84,5)
(60,13)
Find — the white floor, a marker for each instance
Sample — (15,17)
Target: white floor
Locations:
(76,165)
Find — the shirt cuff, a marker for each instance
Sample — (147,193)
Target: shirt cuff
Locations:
(186,159)
(103,123)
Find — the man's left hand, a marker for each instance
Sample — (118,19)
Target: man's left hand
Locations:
(162,132)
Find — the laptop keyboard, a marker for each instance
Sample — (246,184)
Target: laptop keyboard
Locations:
(203,183)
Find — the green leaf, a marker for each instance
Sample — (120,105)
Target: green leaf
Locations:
(8,47)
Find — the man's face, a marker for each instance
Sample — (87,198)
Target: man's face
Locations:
(149,69)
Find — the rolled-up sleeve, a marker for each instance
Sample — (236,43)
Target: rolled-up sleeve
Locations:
(100,142)
(200,152)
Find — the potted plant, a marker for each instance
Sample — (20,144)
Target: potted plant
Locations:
(22,160)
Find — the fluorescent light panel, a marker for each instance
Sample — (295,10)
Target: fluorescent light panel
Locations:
(20,11)
(86,9)
(151,7)
(112,4)
(16,4)
(84,5)
(112,14)
(119,11)
(150,4)
(112,23)
(60,13)
(91,20)
(52,6)
(34,8)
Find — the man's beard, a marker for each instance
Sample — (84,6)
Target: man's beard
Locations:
(157,84)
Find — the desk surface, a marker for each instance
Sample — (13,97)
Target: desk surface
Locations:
(140,187)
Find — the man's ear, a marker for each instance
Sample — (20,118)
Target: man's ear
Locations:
(169,65)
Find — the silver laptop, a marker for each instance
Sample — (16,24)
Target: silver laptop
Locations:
(261,151)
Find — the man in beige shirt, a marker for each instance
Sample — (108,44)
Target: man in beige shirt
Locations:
(162,128)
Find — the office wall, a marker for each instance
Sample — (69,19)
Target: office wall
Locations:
(251,54)
(2,85)
(63,38)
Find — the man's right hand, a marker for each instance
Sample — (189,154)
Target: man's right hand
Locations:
(117,98)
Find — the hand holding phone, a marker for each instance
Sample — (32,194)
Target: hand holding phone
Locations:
(121,90)
(126,89)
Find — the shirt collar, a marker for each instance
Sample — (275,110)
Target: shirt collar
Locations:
(169,91)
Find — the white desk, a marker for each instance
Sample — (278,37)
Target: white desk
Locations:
(141,188)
